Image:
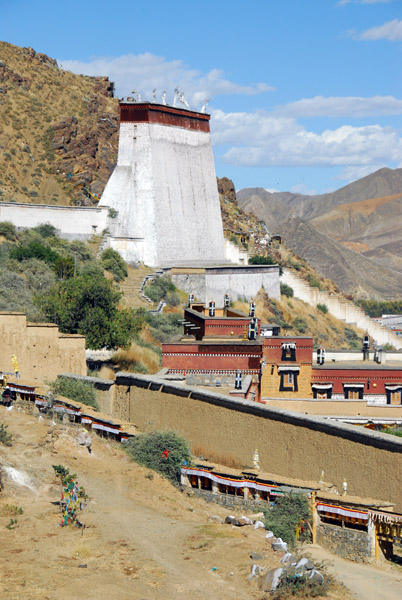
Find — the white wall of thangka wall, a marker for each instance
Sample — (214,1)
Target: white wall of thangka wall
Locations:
(164,189)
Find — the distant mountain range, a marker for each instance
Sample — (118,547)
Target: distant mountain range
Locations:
(352,236)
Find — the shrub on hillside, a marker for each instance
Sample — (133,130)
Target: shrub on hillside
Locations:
(323,308)
(164,326)
(290,515)
(75,389)
(286,290)
(5,437)
(313,281)
(159,288)
(300,324)
(46,230)
(113,262)
(34,249)
(8,231)
(162,451)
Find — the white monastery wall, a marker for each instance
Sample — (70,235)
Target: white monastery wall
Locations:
(341,309)
(72,222)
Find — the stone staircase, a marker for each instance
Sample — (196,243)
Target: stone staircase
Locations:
(341,308)
(132,287)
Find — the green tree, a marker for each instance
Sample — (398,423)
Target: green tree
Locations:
(89,306)
(162,451)
(289,512)
(113,262)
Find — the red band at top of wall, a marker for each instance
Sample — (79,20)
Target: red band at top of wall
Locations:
(146,112)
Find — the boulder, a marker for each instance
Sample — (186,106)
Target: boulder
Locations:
(259,525)
(255,556)
(305,563)
(216,519)
(279,545)
(288,559)
(256,571)
(316,576)
(272,579)
(229,519)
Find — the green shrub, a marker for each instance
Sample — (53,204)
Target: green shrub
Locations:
(75,389)
(5,437)
(8,231)
(286,290)
(35,249)
(394,431)
(172,299)
(290,512)
(46,230)
(148,450)
(323,308)
(113,262)
(159,288)
(300,586)
(313,281)
(164,326)
(112,213)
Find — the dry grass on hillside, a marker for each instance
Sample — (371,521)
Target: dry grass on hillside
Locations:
(306,320)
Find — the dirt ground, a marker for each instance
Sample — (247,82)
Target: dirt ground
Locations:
(144,539)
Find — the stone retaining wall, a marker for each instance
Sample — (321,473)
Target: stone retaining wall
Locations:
(344,541)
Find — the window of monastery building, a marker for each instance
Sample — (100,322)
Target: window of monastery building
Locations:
(394,394)
(353,391)
(288,351)
(322,391)
(288,381)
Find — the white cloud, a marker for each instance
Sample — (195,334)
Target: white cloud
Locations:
(144,72)
(391,31)
(342,106)
(261,140)
(357,172)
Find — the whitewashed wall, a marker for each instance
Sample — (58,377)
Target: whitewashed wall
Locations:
(164,189)
(71,222)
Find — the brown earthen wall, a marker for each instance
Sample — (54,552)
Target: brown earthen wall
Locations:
(355,408)
(42,351)
(289,444)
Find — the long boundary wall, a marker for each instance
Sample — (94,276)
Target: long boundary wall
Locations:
(290,444)
(341,309)
(72,222)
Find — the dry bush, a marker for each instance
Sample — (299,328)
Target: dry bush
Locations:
(228,460)
(137,359)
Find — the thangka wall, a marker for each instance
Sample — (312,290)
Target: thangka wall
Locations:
(290,444)
(42,351)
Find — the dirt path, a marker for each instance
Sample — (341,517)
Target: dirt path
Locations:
(366,582)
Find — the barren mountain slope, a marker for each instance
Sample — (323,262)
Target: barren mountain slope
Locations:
(383,182)
(353,273)
(58,130)
(370,227)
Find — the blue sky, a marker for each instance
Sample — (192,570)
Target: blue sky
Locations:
(305,95)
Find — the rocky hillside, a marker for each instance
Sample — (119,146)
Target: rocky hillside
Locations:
(58,130)
(363,217)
